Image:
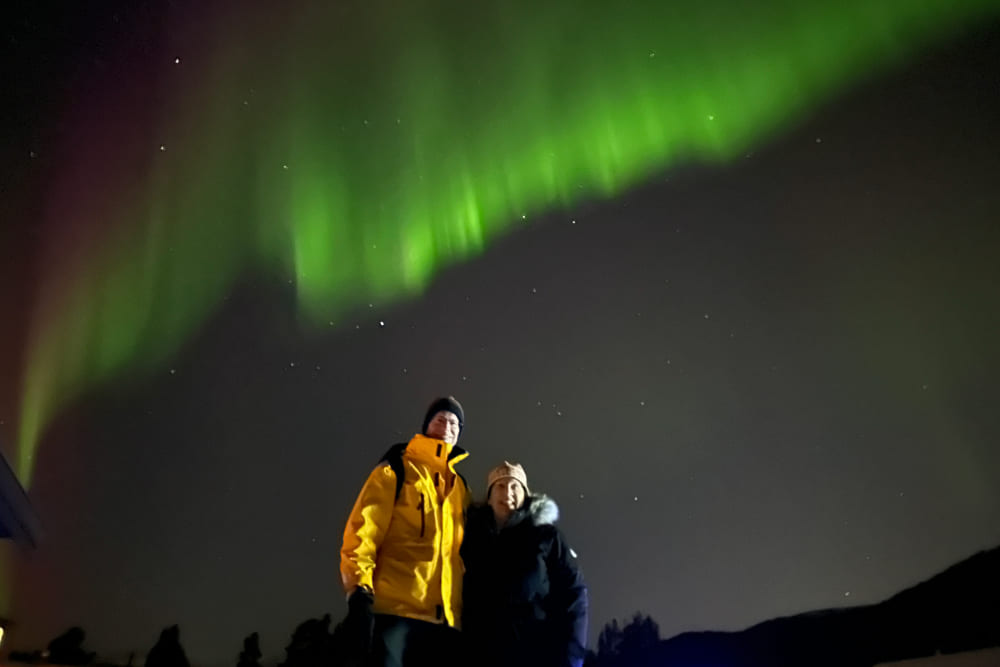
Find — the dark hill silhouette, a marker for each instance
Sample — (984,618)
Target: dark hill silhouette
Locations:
(956,610)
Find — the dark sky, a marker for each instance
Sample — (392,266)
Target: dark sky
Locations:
(754,389)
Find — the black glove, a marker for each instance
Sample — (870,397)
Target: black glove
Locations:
(360,621)
(360,601)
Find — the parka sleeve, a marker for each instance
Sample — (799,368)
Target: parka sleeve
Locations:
(366,528)
(474,551)
(569,600)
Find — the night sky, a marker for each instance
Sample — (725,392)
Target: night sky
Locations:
(723,276)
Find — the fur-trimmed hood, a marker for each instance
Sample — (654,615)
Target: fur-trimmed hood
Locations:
(542,509)
(538,508)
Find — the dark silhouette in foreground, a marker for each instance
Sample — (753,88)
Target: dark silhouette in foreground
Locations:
(168,652)
(310,645)
(67,648)
(250,655)
(953,611)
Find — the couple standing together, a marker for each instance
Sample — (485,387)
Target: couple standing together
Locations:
(421,561)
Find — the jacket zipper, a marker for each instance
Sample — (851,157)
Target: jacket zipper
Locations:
(422,515)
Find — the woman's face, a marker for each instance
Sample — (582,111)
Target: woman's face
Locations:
(506,495)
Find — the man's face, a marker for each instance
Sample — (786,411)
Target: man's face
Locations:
(443,426)
(506,495)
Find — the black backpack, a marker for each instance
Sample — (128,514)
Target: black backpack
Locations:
(394,457)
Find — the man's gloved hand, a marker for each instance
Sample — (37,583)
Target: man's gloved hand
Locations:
(360,620)
(360,601)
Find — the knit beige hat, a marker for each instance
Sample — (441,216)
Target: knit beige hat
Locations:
(507,469)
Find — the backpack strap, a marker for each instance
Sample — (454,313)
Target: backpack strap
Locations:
(394,459)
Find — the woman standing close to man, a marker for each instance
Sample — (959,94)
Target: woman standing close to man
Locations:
(524,599)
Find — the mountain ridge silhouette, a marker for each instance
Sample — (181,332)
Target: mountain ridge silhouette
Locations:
(956,610)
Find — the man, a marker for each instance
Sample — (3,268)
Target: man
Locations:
(400,563)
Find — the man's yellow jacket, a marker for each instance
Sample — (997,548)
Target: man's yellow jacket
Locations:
(406,549)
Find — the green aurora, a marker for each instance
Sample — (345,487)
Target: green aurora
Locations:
(355,150)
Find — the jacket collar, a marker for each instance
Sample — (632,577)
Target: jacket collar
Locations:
(437,453)
(537,510)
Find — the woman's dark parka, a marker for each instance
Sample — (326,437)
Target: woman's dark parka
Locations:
(525,601)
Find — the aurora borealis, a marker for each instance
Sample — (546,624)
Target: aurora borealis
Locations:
(722,276)
(356,149)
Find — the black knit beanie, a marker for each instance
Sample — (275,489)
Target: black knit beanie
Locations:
(448,404)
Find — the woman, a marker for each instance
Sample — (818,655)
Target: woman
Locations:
(524,600)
